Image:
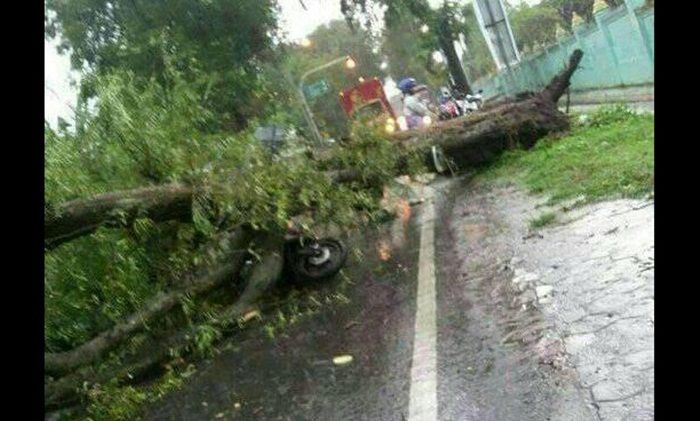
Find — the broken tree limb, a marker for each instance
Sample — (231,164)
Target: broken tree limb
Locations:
(62,362)
(262,278)
(76,218)
(561,82)
(66,390)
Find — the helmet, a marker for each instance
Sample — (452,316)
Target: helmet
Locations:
(444,91)
(406,85)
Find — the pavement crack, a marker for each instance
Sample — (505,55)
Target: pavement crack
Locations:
(605,326)
(624,398)
(585,316)
(595,404)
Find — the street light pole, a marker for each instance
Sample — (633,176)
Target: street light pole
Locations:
(307,110)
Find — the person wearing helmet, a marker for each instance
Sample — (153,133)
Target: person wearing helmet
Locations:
(444,96)
(413,108)
(448,106)
(406,85)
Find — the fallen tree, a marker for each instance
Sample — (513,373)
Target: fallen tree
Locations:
(469,141)
(76,218)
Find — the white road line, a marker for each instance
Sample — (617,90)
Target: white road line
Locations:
(423,400)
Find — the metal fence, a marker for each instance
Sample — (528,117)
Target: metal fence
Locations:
(618,48)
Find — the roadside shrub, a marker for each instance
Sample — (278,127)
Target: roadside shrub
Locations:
(609,114)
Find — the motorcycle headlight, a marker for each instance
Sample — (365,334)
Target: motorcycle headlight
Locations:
(401,122)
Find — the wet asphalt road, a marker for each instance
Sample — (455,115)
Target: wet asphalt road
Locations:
(498,357)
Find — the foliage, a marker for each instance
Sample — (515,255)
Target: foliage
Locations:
(533,26)
(616,3)
(567,8)
(544,219)
(607,115)
(146,37)
(330,42)
(113,402)
(443,24)
(92,283)
(156,88)
(141,134)
(409,52)
(612,157)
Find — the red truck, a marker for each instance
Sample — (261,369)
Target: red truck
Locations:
(368,99)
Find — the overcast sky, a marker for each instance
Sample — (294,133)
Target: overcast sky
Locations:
(59,96)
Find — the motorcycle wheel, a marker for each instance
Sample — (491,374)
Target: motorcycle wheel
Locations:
(306,269)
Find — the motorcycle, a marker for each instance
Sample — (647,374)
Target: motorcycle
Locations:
(312,259)
(417,122)
(469,103)
(448,107)
(449,110)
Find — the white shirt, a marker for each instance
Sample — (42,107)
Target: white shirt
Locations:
(414,107)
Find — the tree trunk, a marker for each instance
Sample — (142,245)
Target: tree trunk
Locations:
(454,64)
(481,136)
(76,218)
(62,362)
(79,217)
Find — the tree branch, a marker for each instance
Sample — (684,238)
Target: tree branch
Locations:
(62,362)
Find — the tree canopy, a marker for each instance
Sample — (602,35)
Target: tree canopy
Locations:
(442,25)
(220,39)
(533,26)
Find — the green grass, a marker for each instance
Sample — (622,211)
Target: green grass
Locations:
(543,220)
(611,155)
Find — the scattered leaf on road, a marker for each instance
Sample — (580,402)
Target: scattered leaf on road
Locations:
(250,315)
(342,359)
(384,250)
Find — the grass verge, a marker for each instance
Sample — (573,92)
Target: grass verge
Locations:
(607,154)
(545,219)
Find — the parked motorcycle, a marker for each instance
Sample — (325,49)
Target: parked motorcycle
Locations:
(469,103)
(448,107)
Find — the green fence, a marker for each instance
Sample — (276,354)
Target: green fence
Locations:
(618,47)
